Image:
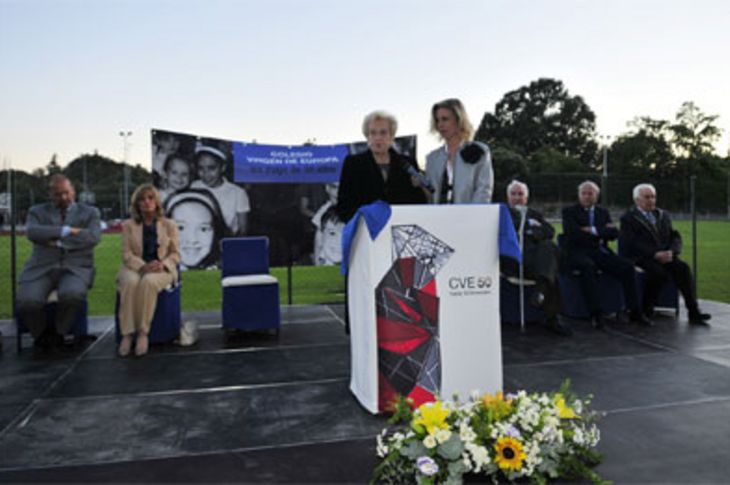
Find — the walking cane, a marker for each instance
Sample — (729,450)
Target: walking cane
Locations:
(523,212)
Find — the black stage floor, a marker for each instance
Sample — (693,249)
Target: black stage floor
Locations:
(268,410)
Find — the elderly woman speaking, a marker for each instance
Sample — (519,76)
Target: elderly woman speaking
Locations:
(150,254)
(379,173)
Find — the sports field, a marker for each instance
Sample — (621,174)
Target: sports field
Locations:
(201,289)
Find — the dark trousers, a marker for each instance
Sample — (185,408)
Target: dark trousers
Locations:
(32,297)
(657,274)
(589,262)
(540,264)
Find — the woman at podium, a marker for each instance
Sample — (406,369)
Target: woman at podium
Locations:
(461,170)
(378,173)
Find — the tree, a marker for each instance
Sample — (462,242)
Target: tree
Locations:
(640,154)
(542,114)
(53,166)
(694,132)
(549,160)
(509,164)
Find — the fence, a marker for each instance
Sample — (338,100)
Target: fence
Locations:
(324,284)
(552,191)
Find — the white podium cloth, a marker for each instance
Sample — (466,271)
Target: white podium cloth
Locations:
(456,247)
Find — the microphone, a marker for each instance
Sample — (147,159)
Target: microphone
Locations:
(422,180)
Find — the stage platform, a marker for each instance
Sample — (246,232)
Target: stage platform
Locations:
(263,409)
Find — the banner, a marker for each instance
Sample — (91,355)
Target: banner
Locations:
(215,188)
(274,164)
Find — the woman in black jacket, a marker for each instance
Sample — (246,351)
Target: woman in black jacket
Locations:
(378,173)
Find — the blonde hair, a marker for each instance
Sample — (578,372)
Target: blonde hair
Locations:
(376,116)
(139,192)
(466,130)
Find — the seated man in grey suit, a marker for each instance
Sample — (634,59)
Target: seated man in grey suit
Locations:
(63,234)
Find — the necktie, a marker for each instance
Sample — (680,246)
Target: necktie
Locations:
(63,216)
(591,218)
(652,219)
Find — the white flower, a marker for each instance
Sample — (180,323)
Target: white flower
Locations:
(427,466)
(442,435)
(467,462)
(381,449)
(429,442)
(480,455)
(578,437)
(466,434)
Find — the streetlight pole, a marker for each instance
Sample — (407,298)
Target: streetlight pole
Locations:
(125,141)
(604,181)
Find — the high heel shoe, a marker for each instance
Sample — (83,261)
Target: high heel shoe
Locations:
(125,346)
(142,345)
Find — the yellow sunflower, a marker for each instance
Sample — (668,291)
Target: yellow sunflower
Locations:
(510,453)
(431,416)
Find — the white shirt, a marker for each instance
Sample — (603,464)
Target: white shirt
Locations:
(232,199)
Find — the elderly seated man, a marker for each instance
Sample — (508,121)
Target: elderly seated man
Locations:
(540,255)
(648,238)
(588,229)
(63,234)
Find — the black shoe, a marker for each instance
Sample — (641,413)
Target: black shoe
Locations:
(639,318)
(537,299)
(597,322)
(698,318)
(649,312)
(555,325)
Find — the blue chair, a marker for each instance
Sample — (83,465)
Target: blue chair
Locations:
(165,326)
(610,291)
(79,329)
(250,293)
(509,301)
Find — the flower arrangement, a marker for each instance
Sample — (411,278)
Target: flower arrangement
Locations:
(527,437)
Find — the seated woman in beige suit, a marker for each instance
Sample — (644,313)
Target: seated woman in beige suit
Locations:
(150,254)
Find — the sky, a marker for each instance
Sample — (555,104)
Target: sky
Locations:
(74,73)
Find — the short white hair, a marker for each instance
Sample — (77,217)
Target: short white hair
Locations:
(517,183)
(376,116)
(589,183)
(640,187)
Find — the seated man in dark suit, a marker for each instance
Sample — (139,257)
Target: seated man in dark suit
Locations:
(588,228)
(539,254)
(63,234)
(647,237)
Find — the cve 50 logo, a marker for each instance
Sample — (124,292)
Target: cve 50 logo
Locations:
(470,282)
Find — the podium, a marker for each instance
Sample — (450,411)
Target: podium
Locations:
(423,302)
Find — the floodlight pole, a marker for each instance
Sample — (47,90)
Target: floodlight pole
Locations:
(125,143)
(604,181)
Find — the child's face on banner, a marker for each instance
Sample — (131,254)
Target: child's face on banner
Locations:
(210,170)
(178,174)
(195,228)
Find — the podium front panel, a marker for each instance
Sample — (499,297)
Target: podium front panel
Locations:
(424,305)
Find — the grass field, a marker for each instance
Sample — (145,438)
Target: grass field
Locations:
(201,289)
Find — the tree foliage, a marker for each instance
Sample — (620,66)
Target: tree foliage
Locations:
(664,149)
(694,133)
(542,114)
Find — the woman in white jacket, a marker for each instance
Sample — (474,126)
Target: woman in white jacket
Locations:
(460,170)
